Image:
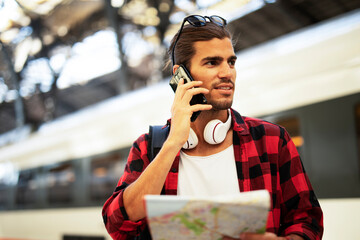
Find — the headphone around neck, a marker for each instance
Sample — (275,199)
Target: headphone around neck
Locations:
(214,133)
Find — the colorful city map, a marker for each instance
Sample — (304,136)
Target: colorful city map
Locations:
(180,218)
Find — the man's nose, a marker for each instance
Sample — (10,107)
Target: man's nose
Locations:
(225,71)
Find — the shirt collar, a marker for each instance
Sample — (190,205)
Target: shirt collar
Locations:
(239,124)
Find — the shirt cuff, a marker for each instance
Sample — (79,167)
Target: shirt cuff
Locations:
(289,238)
(130,226)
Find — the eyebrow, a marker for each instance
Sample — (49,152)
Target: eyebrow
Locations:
(218,58)
(232,57)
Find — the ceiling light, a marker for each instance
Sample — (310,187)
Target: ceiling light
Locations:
(117,3)
(164,7)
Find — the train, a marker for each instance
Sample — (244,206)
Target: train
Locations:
(54,182)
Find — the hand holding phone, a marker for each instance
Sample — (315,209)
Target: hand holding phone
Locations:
(182,72)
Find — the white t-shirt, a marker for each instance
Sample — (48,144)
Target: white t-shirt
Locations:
(208,175)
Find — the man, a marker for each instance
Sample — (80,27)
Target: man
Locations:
(252,155)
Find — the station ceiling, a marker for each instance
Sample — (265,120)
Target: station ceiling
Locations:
(65,22)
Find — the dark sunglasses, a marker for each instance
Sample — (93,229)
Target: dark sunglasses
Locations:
(197,21)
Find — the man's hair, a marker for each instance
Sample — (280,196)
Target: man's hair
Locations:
(184,49)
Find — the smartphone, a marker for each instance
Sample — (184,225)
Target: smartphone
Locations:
(182,72)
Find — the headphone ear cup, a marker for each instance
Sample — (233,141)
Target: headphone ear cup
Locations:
(214,132)
(192,140)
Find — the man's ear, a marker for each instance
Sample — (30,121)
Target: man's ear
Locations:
(175,67)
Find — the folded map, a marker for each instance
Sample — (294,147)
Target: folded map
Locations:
(210,218)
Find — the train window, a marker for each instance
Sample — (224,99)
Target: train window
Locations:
(3,196)
(60,183)
(292,125)
(357,119)
(105,172)
(27,186)
(8,179)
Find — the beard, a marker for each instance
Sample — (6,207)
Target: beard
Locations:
(220,104)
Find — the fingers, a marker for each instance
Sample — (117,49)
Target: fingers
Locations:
(254,236)
(201,107)
(189,85)
(189,89)
(181,110)
(185,91)
(228,238)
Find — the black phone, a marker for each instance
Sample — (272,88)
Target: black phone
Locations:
(182,72)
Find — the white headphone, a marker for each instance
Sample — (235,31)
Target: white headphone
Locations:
(214,133)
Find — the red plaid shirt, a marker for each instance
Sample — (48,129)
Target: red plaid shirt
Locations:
(266,158)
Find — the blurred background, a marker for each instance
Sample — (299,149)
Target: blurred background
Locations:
(80,80)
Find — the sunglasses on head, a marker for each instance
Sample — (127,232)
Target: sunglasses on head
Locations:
(197,21)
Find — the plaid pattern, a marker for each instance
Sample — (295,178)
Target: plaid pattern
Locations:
(266,158)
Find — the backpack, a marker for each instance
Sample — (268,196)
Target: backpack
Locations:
(157,137)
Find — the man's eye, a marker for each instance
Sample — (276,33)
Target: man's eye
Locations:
(232,62)
(211,63)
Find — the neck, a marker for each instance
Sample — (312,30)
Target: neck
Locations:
(206,116)
(203,148)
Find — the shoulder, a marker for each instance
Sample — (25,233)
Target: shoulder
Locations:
(140,144)
(259,128)
(249,122)
(153,139)
(142,139)
(272,133)
(256,123)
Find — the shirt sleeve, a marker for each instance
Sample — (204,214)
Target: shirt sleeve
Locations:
(300,210)
(114,214)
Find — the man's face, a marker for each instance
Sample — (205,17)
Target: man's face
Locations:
(214,65)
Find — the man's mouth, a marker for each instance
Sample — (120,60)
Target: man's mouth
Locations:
(224,88)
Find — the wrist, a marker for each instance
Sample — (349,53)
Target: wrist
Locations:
(293,237)
(173,144)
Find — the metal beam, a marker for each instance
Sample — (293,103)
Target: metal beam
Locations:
(19,106)
(111,13)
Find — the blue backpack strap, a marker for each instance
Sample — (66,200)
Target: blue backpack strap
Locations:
(157,136)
